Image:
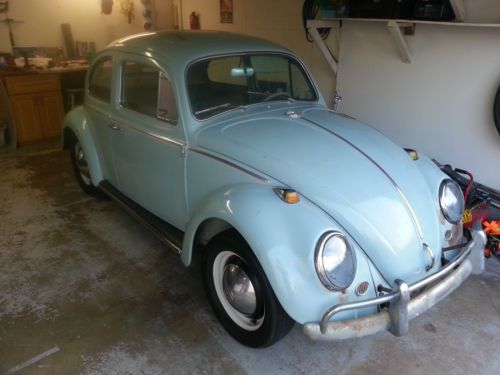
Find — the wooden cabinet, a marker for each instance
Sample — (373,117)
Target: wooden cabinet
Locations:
(37,106)
(51,113)
(27,118)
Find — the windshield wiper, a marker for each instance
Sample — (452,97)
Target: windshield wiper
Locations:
(214,108)
(277,95)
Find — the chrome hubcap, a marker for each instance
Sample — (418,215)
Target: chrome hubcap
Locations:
(239,289)
(81,164)
(235,291)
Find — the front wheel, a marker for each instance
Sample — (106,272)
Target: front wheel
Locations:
(240,293)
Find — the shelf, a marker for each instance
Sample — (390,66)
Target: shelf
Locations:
(326,22)
(458,9)
(397,28)
(399,39)
(312,28)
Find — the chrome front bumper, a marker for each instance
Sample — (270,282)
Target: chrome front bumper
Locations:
(402,307)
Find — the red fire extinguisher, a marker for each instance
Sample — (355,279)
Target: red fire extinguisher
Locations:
(106,6)
(194,21)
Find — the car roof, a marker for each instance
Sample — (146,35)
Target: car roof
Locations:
(185,46)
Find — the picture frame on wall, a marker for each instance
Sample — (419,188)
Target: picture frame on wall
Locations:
(4,6)
(226,11)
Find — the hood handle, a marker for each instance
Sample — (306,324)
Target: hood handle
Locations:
(431,254)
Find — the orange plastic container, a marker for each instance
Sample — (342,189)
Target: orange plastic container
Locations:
(491,228)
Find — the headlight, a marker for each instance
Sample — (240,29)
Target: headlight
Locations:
(335,261)
(451,201)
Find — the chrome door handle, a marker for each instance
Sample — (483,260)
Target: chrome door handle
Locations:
(114,126)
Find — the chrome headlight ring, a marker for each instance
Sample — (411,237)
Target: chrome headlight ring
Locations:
(451,201)
(335,261)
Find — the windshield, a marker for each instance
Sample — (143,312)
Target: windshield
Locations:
(223,83)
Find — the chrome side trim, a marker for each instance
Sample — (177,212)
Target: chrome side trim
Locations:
(345,115)
(227,162)
(154,135)
(394,183)
(128,126)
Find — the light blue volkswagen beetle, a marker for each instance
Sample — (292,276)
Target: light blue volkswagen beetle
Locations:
(222,145)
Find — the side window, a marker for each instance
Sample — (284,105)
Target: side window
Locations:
(100,79)
(140,87)
(145,89)
(272,73)
(301,87)
(167,110)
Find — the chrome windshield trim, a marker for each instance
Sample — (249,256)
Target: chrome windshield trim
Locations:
(450,267)
(394,183)
(230,163)
(286,54)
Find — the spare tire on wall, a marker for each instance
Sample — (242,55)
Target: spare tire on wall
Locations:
(496,110)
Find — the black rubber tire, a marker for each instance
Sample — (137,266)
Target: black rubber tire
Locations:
(276,322)
(85,184)
(496,110)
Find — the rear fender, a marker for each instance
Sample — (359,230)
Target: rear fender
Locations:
(76,123)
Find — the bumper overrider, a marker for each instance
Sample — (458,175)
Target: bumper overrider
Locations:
(405,301)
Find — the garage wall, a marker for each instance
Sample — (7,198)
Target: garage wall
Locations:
(277,20)
(43,18)
(441,104)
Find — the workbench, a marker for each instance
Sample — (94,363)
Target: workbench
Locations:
(32,103)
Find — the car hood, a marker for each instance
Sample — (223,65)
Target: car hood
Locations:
(368,184)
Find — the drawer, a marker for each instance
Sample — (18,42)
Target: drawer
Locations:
(32,83)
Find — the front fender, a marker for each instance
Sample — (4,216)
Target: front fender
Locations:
(283,238)
(77,121)
(434,176)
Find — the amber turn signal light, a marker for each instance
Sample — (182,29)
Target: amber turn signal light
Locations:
(287,195)
(412,153)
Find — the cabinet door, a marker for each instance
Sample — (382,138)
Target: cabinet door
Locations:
(51,114)
(26,114)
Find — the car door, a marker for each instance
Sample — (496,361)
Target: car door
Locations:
(98,101)
(149,142)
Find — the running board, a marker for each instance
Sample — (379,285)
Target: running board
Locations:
(171,236)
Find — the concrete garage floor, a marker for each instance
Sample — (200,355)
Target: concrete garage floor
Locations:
(86,289)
